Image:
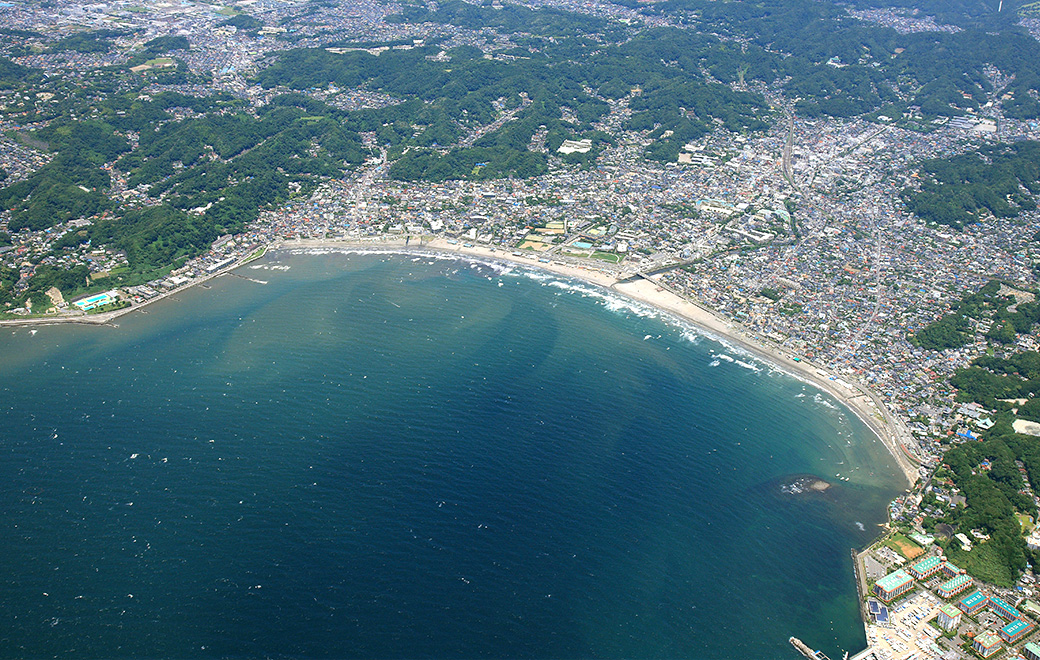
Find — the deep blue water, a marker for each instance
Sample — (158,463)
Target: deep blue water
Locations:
(376,456)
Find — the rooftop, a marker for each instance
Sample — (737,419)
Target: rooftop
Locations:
(987,638)
(927,564)
(1015,627)
(973,599)
(955,582)
(894,580)
(1003,604)
(949,610)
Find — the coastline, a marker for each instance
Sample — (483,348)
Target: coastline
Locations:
(105,318)
(864,403)
(860,400)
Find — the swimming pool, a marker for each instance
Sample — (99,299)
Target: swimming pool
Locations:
(96,300)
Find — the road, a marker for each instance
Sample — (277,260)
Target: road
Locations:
(788,147)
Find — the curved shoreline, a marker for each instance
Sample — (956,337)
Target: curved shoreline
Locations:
(863,403)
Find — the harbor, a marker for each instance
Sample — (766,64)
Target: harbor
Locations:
(916,605)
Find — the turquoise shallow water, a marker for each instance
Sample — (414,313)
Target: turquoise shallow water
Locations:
(406,457)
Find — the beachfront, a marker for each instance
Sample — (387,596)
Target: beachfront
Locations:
(860,400)
(571,417)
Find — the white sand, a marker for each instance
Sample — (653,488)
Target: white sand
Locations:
(864,403)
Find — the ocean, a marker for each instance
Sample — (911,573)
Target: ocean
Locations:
(336,455)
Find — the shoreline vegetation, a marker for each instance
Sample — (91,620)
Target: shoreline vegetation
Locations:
(864,403)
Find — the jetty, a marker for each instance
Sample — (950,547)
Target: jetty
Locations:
(806,651)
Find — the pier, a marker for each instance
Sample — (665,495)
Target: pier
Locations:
(806,651)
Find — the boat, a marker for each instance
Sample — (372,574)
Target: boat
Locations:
(806,651)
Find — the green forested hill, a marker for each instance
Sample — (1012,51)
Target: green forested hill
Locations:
(560,75)
(1000,180)
(231,162)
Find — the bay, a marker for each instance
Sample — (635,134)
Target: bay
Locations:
(400,456)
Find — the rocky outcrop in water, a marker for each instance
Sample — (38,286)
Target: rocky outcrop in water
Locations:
(801,484)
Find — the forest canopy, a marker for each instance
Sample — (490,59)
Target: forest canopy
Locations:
(1000,180)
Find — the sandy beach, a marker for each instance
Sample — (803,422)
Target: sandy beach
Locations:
(864,403)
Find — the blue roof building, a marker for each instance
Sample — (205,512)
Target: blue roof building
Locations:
(1001,608)
(973,602)
(1015,630)
(893,585)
